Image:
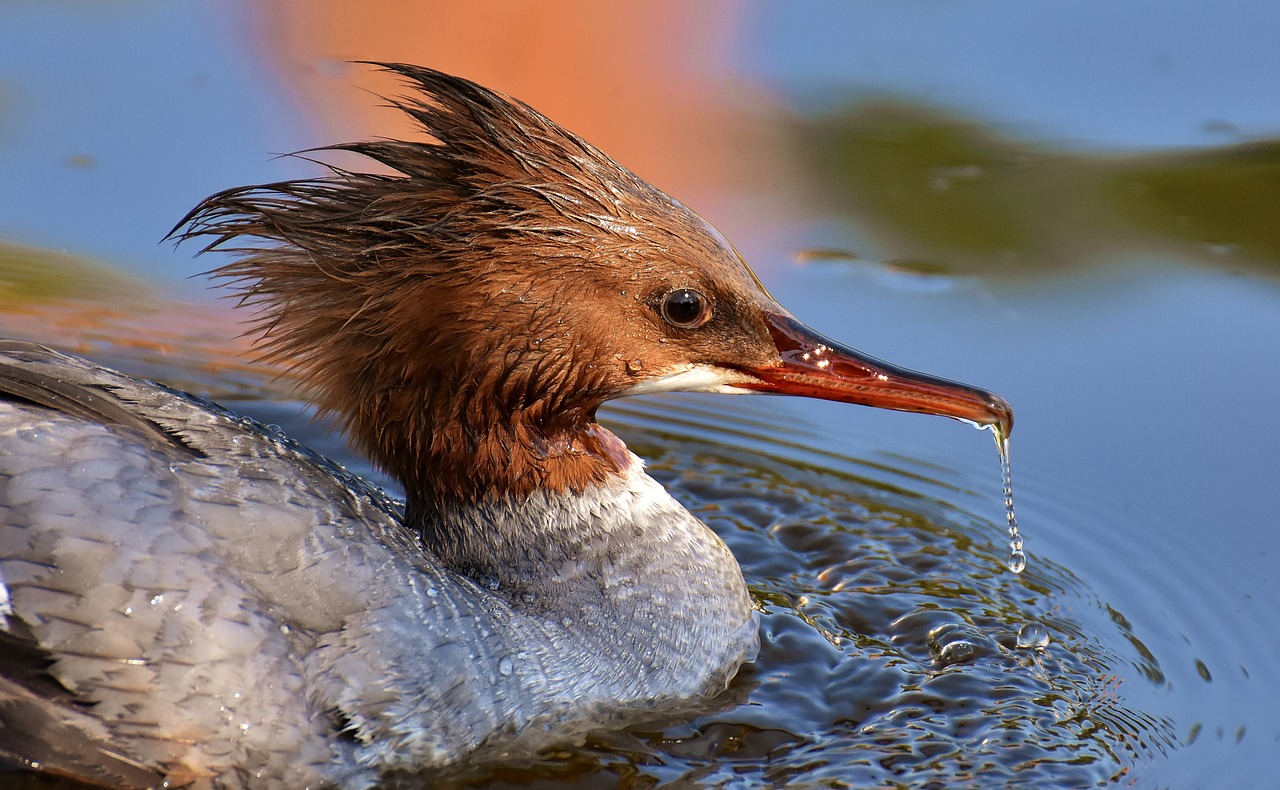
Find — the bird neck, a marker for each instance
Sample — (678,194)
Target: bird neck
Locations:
(555,549)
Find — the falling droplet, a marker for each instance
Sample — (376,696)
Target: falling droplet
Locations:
(1017,557)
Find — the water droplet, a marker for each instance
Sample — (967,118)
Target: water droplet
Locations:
(958,652)
(505,666)
(634,367)
(1017,557)
(432,592)
(1033,636)
(953,643)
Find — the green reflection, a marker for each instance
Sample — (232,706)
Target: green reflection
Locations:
(937,188)
(32,274)
(1221,204)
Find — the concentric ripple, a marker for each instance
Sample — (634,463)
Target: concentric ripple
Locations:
(897,649)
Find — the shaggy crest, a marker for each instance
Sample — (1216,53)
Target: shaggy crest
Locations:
(400,300)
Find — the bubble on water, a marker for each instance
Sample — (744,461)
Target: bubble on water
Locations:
(952,643)
(960,651)
(1033,636)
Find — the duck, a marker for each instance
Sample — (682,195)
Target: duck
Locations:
(189,598)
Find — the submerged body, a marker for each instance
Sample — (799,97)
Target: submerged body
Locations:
(228,599)
(189,598)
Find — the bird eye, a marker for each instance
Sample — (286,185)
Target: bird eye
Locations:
(686,308)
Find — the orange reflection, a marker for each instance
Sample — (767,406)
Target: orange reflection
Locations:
(645,82)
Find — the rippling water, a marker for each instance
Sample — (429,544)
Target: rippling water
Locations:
(1143,370)
(890,637)
(897,648)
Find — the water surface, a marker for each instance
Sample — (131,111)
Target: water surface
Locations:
(1072,206)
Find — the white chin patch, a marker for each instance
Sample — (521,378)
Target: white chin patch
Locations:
(696,378)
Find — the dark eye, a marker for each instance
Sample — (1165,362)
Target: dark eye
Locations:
(686,308)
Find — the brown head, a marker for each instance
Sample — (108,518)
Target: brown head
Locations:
(465,316)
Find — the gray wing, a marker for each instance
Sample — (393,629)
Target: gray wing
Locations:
(155,598)
(41,721)
(186,595)
(34,374)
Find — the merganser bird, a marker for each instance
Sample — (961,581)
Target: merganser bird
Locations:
(188,598)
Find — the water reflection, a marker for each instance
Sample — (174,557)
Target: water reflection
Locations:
(896,647)
(1166,505)
(962,197)
(34,275)
(85,307)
